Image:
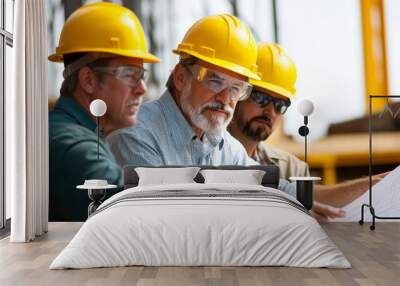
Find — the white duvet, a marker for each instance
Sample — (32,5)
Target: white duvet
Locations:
(207,230)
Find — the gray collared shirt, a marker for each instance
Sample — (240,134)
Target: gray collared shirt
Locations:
(164,137)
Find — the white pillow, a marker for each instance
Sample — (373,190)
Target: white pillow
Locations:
(249,177)
(163,176)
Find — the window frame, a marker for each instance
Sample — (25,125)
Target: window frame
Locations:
(6,39)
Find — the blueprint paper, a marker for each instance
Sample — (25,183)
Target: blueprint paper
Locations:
(385,200)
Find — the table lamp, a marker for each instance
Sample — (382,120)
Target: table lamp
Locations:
(96,188)
(304,185)
(305,108)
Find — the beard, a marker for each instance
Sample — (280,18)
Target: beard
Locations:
(259,133)
(216,124)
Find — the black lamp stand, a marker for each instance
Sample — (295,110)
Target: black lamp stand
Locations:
(98,136)
(303,131)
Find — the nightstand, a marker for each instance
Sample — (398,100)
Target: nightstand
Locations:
(304,190)
(96,191)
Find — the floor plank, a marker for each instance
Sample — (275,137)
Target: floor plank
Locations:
(374,255)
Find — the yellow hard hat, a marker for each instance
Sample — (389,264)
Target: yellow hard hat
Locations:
(103,27)
(278,71)
(224,41)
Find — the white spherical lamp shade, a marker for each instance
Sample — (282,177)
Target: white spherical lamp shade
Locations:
(98,107)
(305,107)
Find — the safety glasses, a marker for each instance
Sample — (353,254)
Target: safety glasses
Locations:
(263,99)
(129,75)
(217,82)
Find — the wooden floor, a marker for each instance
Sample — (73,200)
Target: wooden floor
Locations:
(374,255)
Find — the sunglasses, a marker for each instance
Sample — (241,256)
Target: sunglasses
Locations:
(217,82)
(263,99)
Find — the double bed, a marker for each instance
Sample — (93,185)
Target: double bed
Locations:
(201,224)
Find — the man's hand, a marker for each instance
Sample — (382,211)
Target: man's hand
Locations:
(378,177)
(322,212)
(342,194)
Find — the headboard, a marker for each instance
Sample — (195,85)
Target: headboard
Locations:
(270,179)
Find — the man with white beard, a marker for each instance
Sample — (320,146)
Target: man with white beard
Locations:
(187,124)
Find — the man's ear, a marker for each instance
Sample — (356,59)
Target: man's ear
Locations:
(178,75)
(87,80)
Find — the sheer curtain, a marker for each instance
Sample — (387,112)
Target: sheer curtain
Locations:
(27,124)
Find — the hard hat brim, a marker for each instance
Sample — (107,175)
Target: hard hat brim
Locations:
(146,57)
(274,88)
(220,63)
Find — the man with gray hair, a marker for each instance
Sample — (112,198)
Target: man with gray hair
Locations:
(95,68)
